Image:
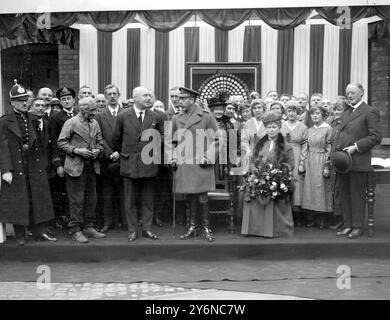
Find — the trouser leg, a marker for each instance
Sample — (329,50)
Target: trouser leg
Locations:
(76,192)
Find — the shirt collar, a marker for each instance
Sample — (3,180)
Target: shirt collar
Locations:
(138,111)
(357,105)
(322,125)
(112,109)
(68,112)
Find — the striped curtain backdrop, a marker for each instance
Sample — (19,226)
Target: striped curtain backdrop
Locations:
(310,58)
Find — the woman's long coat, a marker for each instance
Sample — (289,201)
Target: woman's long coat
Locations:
(14,199)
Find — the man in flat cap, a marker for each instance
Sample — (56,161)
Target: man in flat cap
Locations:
(56,122)
(195,173)
(25,196)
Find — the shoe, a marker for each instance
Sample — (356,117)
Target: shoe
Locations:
(150,235)
(132,236)
(158,223)
(20,242)
(355,233)
(105,228)
(343,232)
(191,233)
(92,232)
(310,224)
(208,234)
(45,237)
(79,237)
(336,226)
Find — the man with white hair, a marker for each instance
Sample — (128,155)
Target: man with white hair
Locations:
(81,140)
(359,132)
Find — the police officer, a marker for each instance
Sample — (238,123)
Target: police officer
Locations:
(195,173)
(25,196)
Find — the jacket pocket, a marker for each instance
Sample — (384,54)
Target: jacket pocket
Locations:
(125,155)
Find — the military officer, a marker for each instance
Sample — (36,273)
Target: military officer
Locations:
(195,173)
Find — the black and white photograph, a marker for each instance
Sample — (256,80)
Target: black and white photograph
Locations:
(195,156)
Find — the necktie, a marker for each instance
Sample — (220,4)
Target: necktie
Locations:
(114,114)
(140,117)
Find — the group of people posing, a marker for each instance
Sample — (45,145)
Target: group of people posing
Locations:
(80,161)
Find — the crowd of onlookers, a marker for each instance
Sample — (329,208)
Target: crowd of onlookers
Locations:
(309,124)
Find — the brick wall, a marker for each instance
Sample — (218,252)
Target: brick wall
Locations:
(379,89)
(68,67)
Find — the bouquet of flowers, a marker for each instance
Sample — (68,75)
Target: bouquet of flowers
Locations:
(267,182)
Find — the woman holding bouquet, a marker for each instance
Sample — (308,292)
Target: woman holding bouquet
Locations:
(267,208)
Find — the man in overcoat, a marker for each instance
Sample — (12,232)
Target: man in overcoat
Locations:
(193,131)
(25,195)
(138,172)
(56,122)
(359,132)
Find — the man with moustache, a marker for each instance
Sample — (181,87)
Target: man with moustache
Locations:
(110,181)
(47,95)
(195,173)
(25,196)
(138,175)
(359,132)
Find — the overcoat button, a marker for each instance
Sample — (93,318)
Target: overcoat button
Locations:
(20,173)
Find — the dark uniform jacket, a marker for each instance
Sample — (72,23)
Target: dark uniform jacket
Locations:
(14,197)
(56,122)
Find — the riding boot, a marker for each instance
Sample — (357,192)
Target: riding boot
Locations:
(192,229)
(207,232)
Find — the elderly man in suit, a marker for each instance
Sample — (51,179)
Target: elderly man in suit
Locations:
(195,173)
(136,130)
(81,140)
(358,134)
(111,185)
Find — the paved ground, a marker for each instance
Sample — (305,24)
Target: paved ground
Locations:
(168,279)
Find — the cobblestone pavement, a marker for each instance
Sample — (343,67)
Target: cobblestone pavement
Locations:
(121,291)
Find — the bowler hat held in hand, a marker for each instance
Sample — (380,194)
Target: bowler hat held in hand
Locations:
(341,161)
